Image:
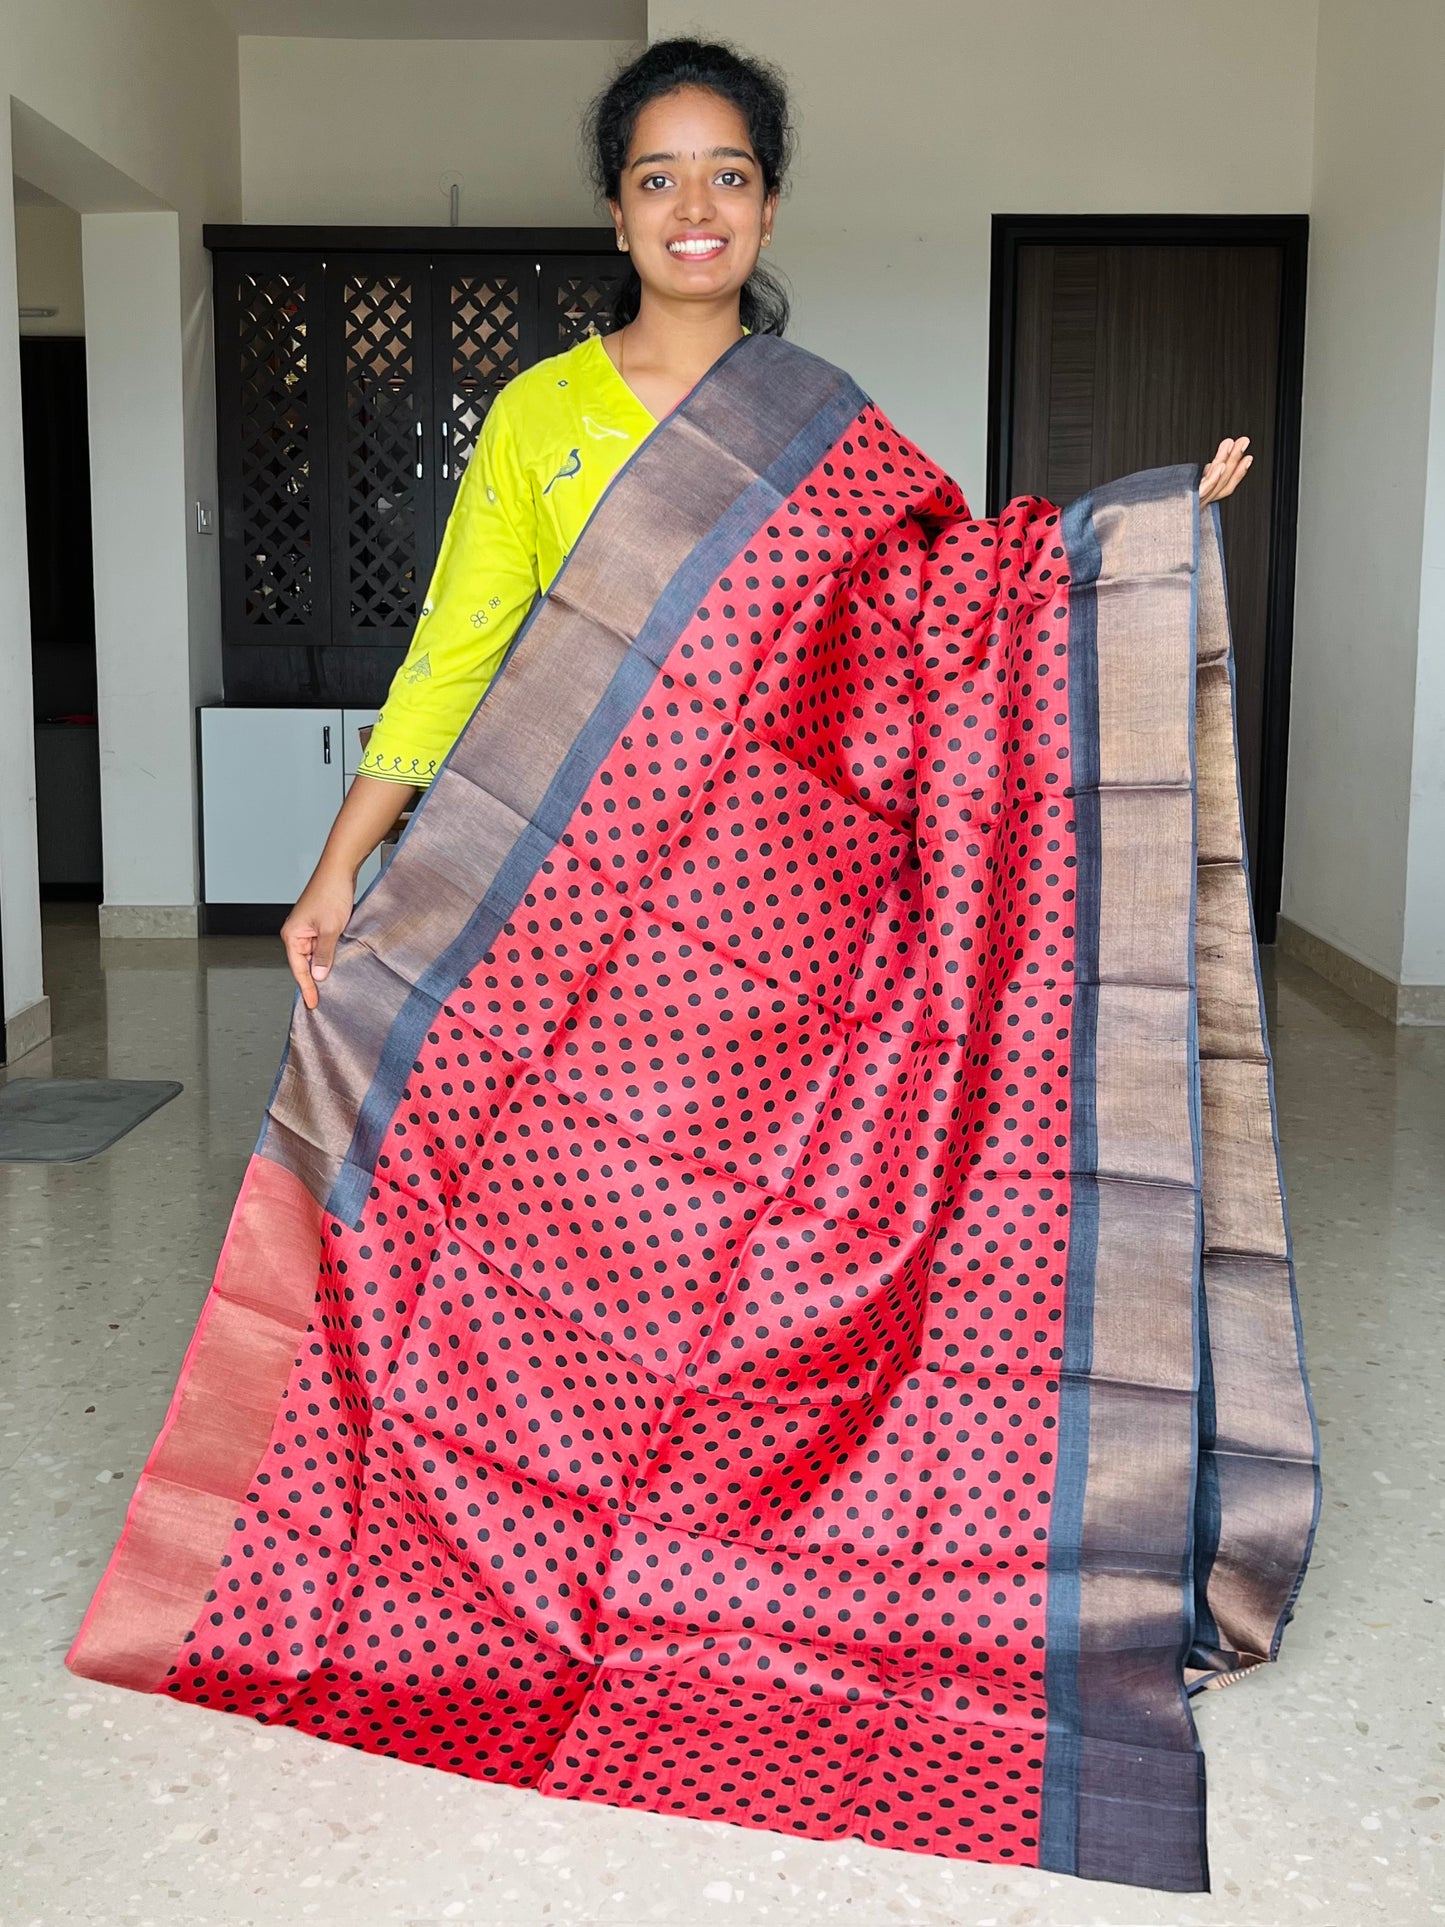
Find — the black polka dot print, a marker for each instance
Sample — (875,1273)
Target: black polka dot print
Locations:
(676,1426)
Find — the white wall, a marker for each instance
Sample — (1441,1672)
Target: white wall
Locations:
(138,485)
(921,119)
(114,105)
(25,1007)
(365,130)
(1423,960)
(1367,708)
(47,262)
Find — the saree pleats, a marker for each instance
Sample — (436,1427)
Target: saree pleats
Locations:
(763,1290)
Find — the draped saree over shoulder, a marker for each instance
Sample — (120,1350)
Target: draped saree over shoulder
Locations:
(763,1291)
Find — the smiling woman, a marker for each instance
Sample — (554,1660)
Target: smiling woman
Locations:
(763,1290)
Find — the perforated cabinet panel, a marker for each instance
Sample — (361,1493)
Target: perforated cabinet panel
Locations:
(351,388)
(272,448)
(487,311)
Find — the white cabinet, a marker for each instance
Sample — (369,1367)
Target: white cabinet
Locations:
(272,781)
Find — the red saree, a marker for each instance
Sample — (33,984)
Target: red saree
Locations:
(763,1292)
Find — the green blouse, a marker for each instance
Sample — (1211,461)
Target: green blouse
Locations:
(552,441)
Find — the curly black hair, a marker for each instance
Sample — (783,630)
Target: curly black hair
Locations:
(759,93)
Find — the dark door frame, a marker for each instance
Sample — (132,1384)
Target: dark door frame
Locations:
(1290,234)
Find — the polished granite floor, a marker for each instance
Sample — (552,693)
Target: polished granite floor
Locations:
(1327,1776)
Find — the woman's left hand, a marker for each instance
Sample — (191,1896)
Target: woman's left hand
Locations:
(1224,474)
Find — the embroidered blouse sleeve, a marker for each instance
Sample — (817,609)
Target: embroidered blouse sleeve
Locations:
(481,589)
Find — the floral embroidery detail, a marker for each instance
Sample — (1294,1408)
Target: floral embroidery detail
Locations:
(397,770)
(419,670)
(479,618)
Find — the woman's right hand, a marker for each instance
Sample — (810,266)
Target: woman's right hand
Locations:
(325,905)
(311,930)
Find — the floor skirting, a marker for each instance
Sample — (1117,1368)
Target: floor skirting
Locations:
(1398,1003)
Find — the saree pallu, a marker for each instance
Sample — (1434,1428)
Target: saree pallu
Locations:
(763,1291)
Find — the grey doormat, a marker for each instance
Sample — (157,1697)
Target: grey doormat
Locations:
(59,1120)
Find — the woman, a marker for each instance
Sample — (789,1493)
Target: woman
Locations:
(763,1290)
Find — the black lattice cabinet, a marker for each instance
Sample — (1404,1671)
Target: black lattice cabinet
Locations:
(354,370)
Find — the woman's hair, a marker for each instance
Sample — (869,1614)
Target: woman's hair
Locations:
(760,96)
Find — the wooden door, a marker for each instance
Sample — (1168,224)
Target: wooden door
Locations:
(1129,354)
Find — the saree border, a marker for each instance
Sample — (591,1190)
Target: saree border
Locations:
(1058,1828)
(183,1511)
(1259,1494)
(1123,1771)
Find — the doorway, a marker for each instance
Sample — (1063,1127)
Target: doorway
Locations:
(62,617)
(1127,342)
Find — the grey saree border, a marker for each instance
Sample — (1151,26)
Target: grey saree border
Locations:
(635,675)
(1123,1794)
(1059,1819)
(1209,1508)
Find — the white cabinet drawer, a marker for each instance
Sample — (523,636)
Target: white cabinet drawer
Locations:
(272,781)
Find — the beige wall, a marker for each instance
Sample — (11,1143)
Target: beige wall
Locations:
(367,130)
(1424,947)
(1371,354)
(920,119)
(47,262)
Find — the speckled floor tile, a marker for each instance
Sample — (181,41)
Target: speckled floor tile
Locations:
(1327,1776)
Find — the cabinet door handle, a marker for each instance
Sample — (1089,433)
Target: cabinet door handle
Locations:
(326,742)
(446,451)
(419,433)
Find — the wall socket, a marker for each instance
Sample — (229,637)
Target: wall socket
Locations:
(205,519)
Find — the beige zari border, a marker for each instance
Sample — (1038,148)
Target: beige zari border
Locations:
(1259,1450)
(1187,1486)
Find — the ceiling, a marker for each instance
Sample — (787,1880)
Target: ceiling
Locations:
(439,19)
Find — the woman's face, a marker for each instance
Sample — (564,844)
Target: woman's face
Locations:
(692,203)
